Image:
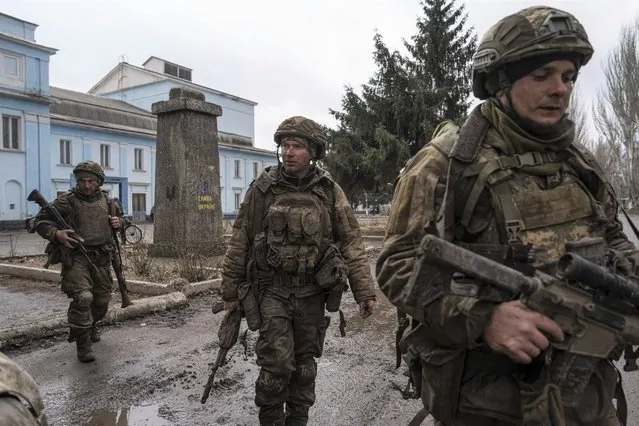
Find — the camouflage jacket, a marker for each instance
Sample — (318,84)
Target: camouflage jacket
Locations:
(419,193)
(346,232)
(68,207)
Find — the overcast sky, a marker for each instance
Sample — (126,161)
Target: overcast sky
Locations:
(292,57)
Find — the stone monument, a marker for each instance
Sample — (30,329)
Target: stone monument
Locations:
(188,211)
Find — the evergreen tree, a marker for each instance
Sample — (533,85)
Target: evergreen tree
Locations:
(403,102)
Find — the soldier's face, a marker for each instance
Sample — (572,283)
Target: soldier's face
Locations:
(543,95)
(296,158)
(87,186)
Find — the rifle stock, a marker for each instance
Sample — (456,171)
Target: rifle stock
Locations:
(596,316)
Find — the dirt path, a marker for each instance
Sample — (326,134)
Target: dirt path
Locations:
(151,371)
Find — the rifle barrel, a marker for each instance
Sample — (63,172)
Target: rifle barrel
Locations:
(455,258)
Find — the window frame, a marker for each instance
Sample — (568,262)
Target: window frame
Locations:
(18,130)
(66,146)
(138,157)
(105,153)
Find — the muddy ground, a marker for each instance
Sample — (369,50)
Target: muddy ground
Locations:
(151,371)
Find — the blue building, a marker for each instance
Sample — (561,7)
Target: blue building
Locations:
(47,130)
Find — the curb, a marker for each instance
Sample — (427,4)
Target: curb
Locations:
(144,288)
(51,327)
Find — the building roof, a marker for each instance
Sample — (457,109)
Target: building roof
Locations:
(100,112)
(18,40)
(172,78)
(18,19)
(115,115)
(164,60)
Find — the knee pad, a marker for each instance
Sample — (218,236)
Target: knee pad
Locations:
(83,298)
(99,311)
(305,371)
(270,389)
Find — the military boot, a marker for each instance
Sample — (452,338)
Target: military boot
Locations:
(272,415)
(296,415)
(95,333)
(83,344)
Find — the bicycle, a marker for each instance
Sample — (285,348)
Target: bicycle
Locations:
(130,233)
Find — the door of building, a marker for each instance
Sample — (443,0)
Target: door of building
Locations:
(139,207)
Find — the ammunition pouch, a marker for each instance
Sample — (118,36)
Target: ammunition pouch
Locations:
(441,373)
(250,307)
(332,270)
(55,255)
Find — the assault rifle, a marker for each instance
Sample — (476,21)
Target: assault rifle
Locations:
(117,262)
(227,334)
(595,308)
(39,199)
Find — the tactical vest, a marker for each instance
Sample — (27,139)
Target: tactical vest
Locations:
(533,224)
(297,227)
(17,382)
(91,221)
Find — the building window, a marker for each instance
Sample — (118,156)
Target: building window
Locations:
(238,169)
(137,159)
(177,71)
(256,170)
(238,200)
(105,155)
(10,67)
(65,151)
(184,74)
(10,132)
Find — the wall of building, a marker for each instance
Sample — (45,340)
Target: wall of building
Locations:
(22,166)
(238,117)
(86,145)
(234,185)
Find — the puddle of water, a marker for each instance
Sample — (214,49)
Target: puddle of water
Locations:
(151,415)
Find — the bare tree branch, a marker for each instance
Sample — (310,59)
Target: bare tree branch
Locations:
(617,111)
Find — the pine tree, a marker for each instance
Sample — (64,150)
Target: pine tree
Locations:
(403,102)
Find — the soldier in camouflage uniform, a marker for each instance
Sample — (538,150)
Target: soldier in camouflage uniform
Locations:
(513,185)
(295,241)
(86,208)
(20,401)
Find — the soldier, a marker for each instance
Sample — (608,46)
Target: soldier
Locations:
(20,401)
(513,185)
(295,240)
(86,208)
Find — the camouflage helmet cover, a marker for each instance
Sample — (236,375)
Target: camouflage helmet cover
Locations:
(303,127)
(17,382)
(531,32)
(90,167)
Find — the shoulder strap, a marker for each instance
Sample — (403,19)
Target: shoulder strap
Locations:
(463,152)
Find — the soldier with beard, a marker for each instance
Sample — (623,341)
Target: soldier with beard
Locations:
(512,184)
(295,242)
(85,208)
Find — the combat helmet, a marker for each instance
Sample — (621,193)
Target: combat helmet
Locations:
(305,128)
(531,32)
(90,167)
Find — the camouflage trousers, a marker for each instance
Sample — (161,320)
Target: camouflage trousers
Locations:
(291,337)
(89,290)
